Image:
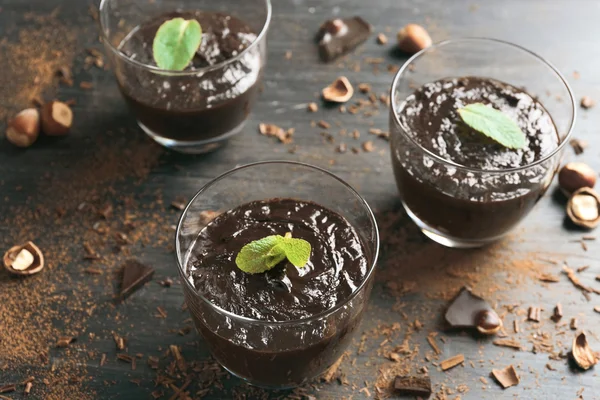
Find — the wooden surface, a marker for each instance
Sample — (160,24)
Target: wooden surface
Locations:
(565,32)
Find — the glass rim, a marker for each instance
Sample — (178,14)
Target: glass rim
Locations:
(118,53)
(321,315)
(558,149)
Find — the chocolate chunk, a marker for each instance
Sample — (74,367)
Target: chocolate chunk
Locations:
(133,276)
(413,386)
(470,311)
(339,36)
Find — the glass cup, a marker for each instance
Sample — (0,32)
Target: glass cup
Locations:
(195,110)
(475,206)
(255,350)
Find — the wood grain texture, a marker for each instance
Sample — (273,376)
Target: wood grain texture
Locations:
(564,32)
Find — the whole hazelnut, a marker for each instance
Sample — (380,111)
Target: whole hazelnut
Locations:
(24,128)
(413,38)
(574,176)
(57,118)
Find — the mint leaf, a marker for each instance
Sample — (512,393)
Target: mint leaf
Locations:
(263,254)
(494,124)
(175,43)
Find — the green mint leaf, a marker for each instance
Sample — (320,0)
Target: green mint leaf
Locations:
(494,124)
(297,251)
(263,254)
(175,43)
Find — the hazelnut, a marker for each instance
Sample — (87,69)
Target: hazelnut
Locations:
(413,38)
(24,128)
(26,259)
(340,91)
(574,176)
(583,208)
(57,118)
(488,322)
(334,27)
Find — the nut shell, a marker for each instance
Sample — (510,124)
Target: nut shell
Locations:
(413,38)
(11,255)
(340,91)
(583,208)
(574,176)
(23,130)
(57,118)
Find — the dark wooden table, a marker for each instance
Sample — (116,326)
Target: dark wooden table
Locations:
(57,174)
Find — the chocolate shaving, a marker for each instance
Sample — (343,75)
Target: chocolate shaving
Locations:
(582,353)
(573,324)
(512,343)
(413,386)
(452,362)
(133,276)
(506,377)
(576,282)
(578,145)
(433,344)
(558,314)
(331,372)
(549,278)
(8,388)
(534,314)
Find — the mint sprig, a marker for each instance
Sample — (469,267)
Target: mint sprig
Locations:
(494,124)
(175,43)
(264,254)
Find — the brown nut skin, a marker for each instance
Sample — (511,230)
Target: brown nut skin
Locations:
(24,129)
(38,259)
(574,176)
(573,214)
(57,118)
(413,38)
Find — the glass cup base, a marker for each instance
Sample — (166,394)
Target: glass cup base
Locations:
(193,147)
(257,384)
(447,240)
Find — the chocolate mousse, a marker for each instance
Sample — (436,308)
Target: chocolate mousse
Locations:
(472,195)
(264,351)
(184,106)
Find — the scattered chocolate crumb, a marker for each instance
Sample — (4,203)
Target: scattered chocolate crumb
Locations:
(413,386)
(534,314)
(86,85)
(583,355)
(516,326)
(597,309)
(323,124)
(28,387)
(312,107)
(578,145)
(364,87)
(368,146)
(103,359)
(179,203)
(506,377)
(342,148)
(167,282)
(162,313)
(8,388)
(119,341)
(581,269)
(549,367)
(433,344)
(452,362)
(382,39)
(288,55)
(64,341)
(587,102)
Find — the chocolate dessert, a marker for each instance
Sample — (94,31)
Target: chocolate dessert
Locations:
(184,106)
(473,195)
(283,344)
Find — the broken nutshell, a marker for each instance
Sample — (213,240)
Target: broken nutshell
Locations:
(57,118)
(468,310)
(583,208)
(26,259)
(506,377)
(340,91)
(413,38)
(574,176)
(582,353)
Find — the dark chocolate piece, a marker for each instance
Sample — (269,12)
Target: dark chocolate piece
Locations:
(470,311)
(133,276)
(413,386)
(337,37)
